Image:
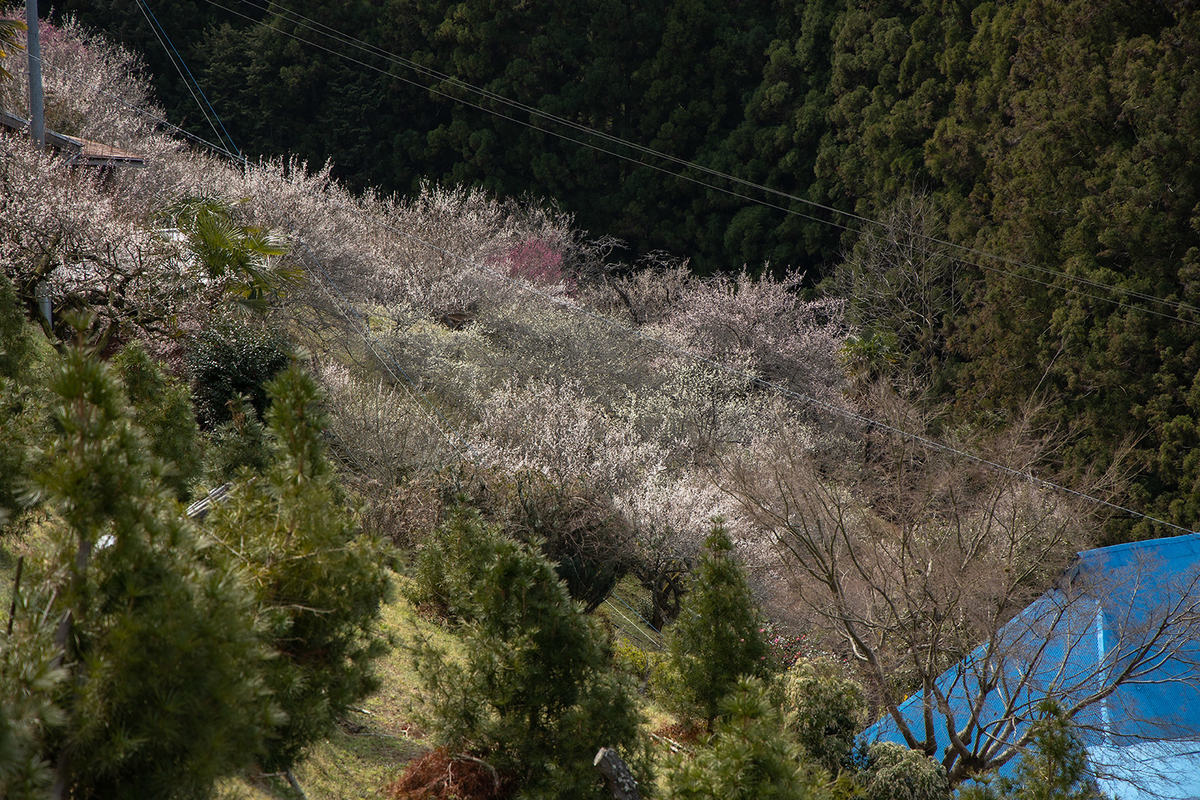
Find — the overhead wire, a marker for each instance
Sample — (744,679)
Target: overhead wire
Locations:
(179,65)
(780,389)
(319,27)
(146,7)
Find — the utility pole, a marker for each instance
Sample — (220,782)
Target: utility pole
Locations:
(37,112)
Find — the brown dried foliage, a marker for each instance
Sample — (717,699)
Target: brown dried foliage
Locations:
(440,774)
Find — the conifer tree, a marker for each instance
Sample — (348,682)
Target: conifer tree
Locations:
(15,351)
(161,652)
(748,758)
(718,636)
(30,679)
(240,443)
(162,408)
(318,582)
(894,772)
(1055,768)
(536,696)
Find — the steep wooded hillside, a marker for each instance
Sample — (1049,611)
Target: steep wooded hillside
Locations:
(1054,143)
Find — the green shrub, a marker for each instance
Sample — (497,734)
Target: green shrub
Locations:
(30,682)
(748,757)
(639,663)
(825,710)
(894,772)
(164,653)
(1054,768)
(240,443)
(451,561)
(231,360)
(15,344)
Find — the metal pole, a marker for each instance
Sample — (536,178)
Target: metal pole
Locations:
(45,302)
(37,114)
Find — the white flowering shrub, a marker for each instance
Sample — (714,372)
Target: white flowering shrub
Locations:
(558,430)
(92,88)
(695,410)
(761,326)
(57,226)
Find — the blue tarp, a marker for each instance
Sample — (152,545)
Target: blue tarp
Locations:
(1128,615)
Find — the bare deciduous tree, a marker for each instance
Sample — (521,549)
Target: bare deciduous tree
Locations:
(941,570)
(901,280)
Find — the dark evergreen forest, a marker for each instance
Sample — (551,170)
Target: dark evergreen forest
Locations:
(1061,137)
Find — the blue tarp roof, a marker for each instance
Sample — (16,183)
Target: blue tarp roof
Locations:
(1128,614)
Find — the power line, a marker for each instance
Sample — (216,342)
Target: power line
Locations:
(636,627)
(220,149)
(156,26)
(317,27)
(155,30)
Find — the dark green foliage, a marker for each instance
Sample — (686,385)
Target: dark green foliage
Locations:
(14,425)
(25,357)
(718,636)
(231,360)
(240,443)
(1055,768)
(747,758)
(536,695)
(825,711)
(1073,146)
(163,652)
(162,408)
(30,680)
(319,584)
(248,262)
(893,772)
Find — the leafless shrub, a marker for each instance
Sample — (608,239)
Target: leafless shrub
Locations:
(650,293)
(557,430)
(901,279)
